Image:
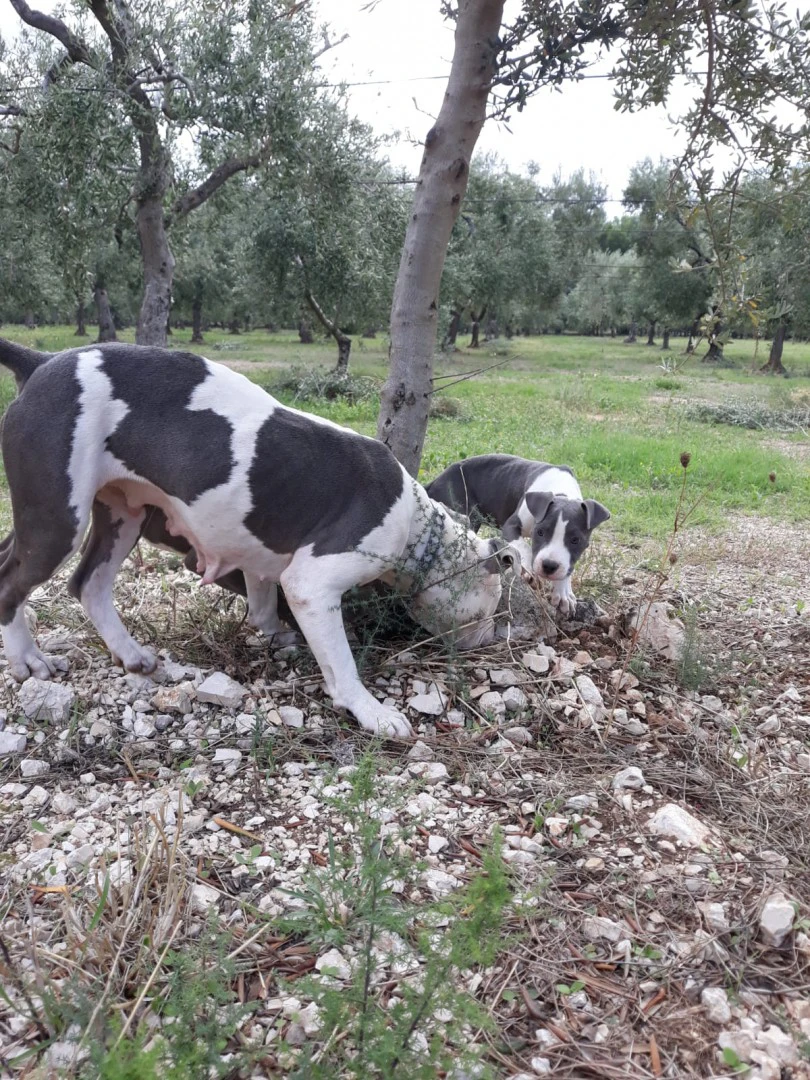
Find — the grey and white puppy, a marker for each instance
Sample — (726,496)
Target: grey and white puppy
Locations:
(531,499)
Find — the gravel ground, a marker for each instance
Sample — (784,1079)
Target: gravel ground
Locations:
(653,815)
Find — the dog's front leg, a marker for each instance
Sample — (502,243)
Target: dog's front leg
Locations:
(262,598)
(314,600)
(562,596)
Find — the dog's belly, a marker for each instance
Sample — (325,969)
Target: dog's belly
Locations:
(218,536)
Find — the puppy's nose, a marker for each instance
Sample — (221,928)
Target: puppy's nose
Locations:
(549,567)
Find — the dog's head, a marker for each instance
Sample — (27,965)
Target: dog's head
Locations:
(463,587)
(562,531)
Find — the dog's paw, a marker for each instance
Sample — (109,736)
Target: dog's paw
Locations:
(34,662)
(281,639)
(383,721)
(136,659)
(562,597)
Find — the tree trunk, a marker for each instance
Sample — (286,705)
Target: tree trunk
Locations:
(715,353)
(665,342)
(452,330)
(651,334)
(491,332)
(30,321)
(344,342)
(443,176)
(775,365)
(81,319)
(106,324)
(196,319)
(158,272)
(233,326)
(304,332)
(631,337)
(693,333)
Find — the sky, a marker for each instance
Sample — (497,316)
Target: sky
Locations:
(400,51)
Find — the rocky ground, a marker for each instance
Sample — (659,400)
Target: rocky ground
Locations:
(653,816)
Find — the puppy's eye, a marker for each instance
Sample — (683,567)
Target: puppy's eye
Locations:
(540,533)
(574,541)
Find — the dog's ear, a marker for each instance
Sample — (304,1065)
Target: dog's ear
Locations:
(502,557)
(539,503)
(512,528)
(595,513)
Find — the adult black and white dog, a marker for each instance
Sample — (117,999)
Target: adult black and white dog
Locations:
(531,499)
(100,434)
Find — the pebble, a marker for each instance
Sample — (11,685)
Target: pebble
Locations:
(588,690)
(514,699)
(173,699)
(776,919)
(221,689)
(714,1000)
(30,767)
(11,743)
(430,704)
(203,897)
(599,928)
(334,963)
(505,677)
(535,662)
(439,882)
(673,821)
(519,736)
(291,716)
(48,702)
(631,778)
(420,751)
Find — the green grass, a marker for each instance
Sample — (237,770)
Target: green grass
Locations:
(603,407)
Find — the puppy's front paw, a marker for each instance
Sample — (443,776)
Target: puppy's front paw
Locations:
(384,721)
(562,597)
(34,662)
(136,658)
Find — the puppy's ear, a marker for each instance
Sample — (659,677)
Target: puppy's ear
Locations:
(595,513)
(539,503)
(502,557)
(512,528)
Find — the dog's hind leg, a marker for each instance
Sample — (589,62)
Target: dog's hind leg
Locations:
(113,534)
(262,597)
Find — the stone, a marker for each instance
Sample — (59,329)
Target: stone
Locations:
(675,822)
(518,736)
(535,662)
(30,767)
(541,1066)
(430,772)
(599,928)
(492,702)
(36,798)
(778,1045)
(588,690)
(658,631)
(63,803)
(121,873)
(291,716)
(221,689)
(226,755)
(437,843)
(173,699)
(505,677)
(514,699)
(771,726)
(203,897)
(581,803)
(334,963)
(776,919)
(740,1042)
(45,701)
(714,915)
(144,727)
(714,1000)
(79,857)
(430,704)
(420,751)
(439,882)
(631,778)
(563,668)
(11,743)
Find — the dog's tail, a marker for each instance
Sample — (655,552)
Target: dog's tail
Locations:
(22,362)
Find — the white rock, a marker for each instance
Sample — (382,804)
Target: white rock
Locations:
(221,689)
(30,767)
(803,761)
(768,1068)
(563,668)
(741,1042)
(430,772)
(173,699)
(335,964)
(541,1066)
(581,803)
(121,873)
(673,821)
(36,797)
(430,704)
(778,1045)
(46,701)
(203,897)
(715,917)
(80,856)
(439,882)
(63,803)
(492,701)
(226,755)
(714,1000)
(556,825)
(658,631)
(771,726)
(519,736)
(11,743)
(291,716)
(505,677)
(535,662)
(246,724)
(144,728)
(436,843)
(588,690)
(599,928)
(631,777)
(420,751)
(776,919)
(514,699)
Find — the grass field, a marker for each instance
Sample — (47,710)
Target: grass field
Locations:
(609,410)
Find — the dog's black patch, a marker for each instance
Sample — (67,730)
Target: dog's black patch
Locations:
(98,547)
(488,487)
(314,484)
(185,452)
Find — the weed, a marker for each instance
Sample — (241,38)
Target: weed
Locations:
(315,384)
(694,668)
(754,415)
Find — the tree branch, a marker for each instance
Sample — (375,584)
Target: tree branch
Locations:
(76,49)
(12,110)
(328,324)
(200,194)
